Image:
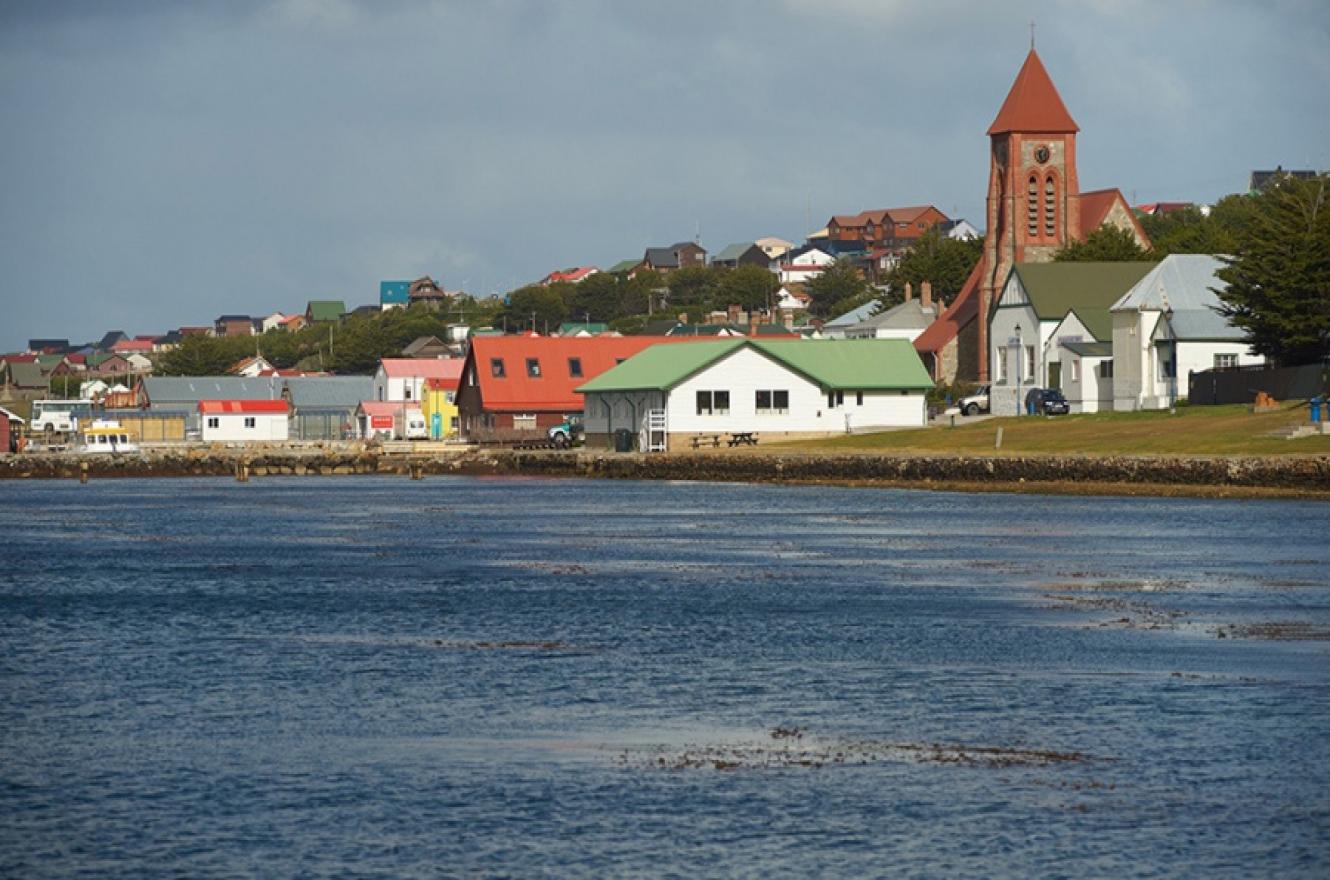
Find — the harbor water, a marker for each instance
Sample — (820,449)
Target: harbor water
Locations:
(512,677)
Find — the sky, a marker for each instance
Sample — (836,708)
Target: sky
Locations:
(163,163)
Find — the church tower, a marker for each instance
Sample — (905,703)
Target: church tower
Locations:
(1033,203)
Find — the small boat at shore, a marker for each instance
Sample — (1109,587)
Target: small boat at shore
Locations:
(107,437)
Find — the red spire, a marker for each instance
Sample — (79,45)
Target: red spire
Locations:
(1033,104)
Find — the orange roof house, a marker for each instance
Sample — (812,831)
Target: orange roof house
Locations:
(1035,208)
(528,383)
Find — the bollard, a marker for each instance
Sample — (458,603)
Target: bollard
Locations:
(998,444)
(83,472)
(953,420)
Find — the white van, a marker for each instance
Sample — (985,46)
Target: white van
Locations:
(409,424)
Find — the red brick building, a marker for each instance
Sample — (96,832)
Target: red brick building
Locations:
(1035,207)
(891,228)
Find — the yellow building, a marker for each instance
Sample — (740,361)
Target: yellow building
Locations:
(439,406)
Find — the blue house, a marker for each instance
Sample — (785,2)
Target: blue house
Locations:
(394,294)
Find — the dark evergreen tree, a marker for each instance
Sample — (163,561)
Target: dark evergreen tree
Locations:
(749,287)
(1106,244)
(1279,274)
(942,261)
(838,283)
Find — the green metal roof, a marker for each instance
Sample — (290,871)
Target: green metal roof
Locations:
(1088,289)
(576,326)
(733,252)
(325,309)
(623,266)
(833,364)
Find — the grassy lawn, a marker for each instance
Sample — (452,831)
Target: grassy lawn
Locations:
(1201,430)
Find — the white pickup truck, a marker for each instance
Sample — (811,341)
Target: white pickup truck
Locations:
(974,404)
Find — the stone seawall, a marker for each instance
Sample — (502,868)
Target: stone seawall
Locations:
(1302,474)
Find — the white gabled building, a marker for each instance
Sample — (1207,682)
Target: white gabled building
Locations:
(244,421)
(803,265)
(403,379)
(1167,327)
(672,393)
(1028,325)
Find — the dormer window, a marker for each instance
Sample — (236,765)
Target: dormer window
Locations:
(496,368)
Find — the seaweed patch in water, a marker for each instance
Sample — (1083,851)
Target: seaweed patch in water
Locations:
(789,751)
(1286,631)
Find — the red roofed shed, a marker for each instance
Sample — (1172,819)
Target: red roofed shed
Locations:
(244,421)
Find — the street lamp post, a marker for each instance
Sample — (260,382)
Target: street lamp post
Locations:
(1172,363)
(1020,356)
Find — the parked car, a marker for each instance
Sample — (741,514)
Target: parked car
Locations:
(566,433)
(1048,401)
(974,404)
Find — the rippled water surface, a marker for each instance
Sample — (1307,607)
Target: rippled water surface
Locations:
(468,677)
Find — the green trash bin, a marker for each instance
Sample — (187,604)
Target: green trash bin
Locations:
(623,440)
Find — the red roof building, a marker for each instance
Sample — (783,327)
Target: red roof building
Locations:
(423,368)
(1035,208)
(244,406)
(571,276)
(527,383)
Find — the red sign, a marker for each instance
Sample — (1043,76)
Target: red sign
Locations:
(381,422)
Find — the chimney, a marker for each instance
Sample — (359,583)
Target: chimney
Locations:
(926,295)
(909,291)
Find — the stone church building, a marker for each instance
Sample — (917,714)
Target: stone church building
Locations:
(1035,207)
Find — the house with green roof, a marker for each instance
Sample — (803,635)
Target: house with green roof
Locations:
(324,310)
(1043,307)
(677,396)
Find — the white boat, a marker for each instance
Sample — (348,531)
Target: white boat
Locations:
(107,437)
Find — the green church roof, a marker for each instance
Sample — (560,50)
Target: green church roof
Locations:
(1088,289)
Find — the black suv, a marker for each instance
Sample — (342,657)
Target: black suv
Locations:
(1048,401)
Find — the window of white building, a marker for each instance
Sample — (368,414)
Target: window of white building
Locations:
(772,402)
(713,403)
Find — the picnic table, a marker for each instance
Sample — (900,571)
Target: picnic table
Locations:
(743,438)
(700,440)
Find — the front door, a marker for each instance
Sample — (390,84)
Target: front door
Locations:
(1055,375)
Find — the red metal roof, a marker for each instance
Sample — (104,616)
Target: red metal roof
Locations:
(573,275)
(552,390)
(1033,104)
(388,407)
(243,406)
(1095,206)
(961,312)
(443,384)
(424,368)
